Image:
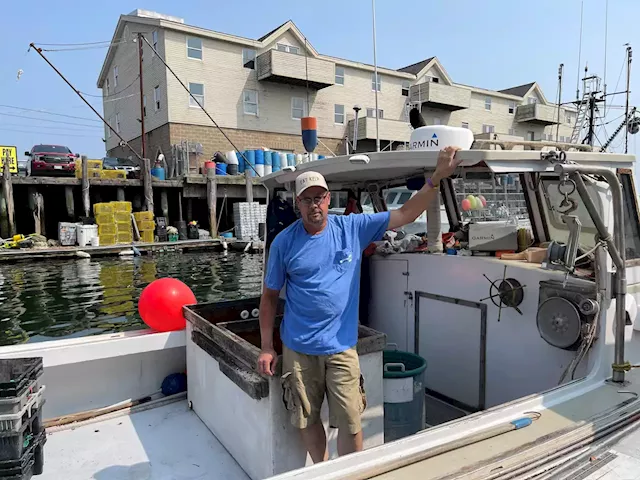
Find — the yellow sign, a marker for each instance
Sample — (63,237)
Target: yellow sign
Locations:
(12,155)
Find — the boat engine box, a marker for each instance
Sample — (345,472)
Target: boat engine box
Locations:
(493,236)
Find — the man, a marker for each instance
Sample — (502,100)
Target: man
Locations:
(318,259)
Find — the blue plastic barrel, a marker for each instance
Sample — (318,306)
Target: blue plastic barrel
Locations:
(291,160)
(251,158)
(275,162)
(268,157)
(403,385)
(158,172)
(259,157)
(320,157)
(221,168)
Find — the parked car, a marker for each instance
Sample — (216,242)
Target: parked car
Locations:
(115,163)
(52,160)
(24,167)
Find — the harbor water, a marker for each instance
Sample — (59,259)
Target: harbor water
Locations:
(49,300)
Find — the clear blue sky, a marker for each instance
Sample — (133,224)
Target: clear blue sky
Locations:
(495,44)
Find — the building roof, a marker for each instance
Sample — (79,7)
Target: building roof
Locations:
(415,68)
(519,91)
(267,35)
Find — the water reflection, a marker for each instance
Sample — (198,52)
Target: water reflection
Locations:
(73,298)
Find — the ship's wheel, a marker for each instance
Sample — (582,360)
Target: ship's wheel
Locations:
(507,292)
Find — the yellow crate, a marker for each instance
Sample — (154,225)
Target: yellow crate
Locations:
(147,236)
(124,237)
(100,208)
(105,218)
(93,164)
(107,229)
(113,174)
(122,217)
(124,227)
(146,225)
(142,216)
(122,207)
(91,173)
(107,239)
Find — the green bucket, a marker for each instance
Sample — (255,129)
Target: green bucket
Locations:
(397,364)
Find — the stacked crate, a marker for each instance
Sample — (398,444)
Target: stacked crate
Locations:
(94,168)
(22,433)
(113,174)
(246,218)
(106,220)
(122,214)
(146,226)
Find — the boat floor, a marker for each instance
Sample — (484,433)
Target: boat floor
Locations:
(168,442)
(622,462)
(553,419)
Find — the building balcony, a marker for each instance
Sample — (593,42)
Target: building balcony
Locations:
(537,113)
(438,95)
(291,68)
(390,130)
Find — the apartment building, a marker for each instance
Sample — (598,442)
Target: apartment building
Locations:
(257,91)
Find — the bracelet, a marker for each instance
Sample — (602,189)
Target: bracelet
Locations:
(430,183)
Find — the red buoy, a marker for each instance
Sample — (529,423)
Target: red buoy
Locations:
(161,302)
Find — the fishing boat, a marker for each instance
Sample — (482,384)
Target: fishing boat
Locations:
(530,361)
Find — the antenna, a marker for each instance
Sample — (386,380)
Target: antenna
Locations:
(606,24)
(579,53)
(626,108)
(560,69)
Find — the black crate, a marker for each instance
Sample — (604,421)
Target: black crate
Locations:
(31,463)
(13,445)
(16,374)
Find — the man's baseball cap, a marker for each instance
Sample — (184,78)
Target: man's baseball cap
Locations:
(309,179)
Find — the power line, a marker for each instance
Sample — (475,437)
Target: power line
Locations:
(74,44)
(47,133)
(47,120)
(51,113)
(111,94)
(66,129)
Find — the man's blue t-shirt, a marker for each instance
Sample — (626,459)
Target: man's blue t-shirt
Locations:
(322,275)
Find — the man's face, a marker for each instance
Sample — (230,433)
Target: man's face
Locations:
(313,204)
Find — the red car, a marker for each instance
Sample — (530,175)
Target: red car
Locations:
(52,160)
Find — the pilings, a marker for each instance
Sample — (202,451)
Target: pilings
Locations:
(86,203)
(249,186)
(212,198)
(7,193)
(147,185)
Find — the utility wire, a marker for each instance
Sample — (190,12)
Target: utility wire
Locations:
(76,44)
(48,127)
(48,120)
(50,113)
(46,133)
(114,93)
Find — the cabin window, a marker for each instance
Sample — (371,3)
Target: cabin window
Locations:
(631,219)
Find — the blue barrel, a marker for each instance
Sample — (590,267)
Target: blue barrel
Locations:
(275,162)
(259,157)
(158,172)
(403,386)
(251,158)
(268,157)
(291,160)
(241,161)
(221,168)
(321,157)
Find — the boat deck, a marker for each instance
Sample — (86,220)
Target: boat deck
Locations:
(162,443)
(622,462)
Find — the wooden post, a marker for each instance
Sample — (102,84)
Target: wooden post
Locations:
(4,220)
(212,198)
(36,205)
(249,187)
(7,190)
(180,206)
(137,202)
(189,209)
(148,188)
(120,194)
(164,204)
(68,197)
(86,203)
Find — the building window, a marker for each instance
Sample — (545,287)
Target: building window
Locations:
(531,136)
(249,58)
(512,131)
(250,102)
(371,113)
(144,105)
(531,100)
(115,76)
(338,114)
(437,121)
(512,107)
(154,39)
(488,128)
(298,108)
(487,103)
(287,48)
(156,97)
(194,48)
(465,124)
(107,88)
(197,90)
(405,88)
(118,122)
(429,78)
(339,75)
(568,117)
(373,82)
(562,139)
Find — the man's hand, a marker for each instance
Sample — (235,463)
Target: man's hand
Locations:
(447,163)
(267,361)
